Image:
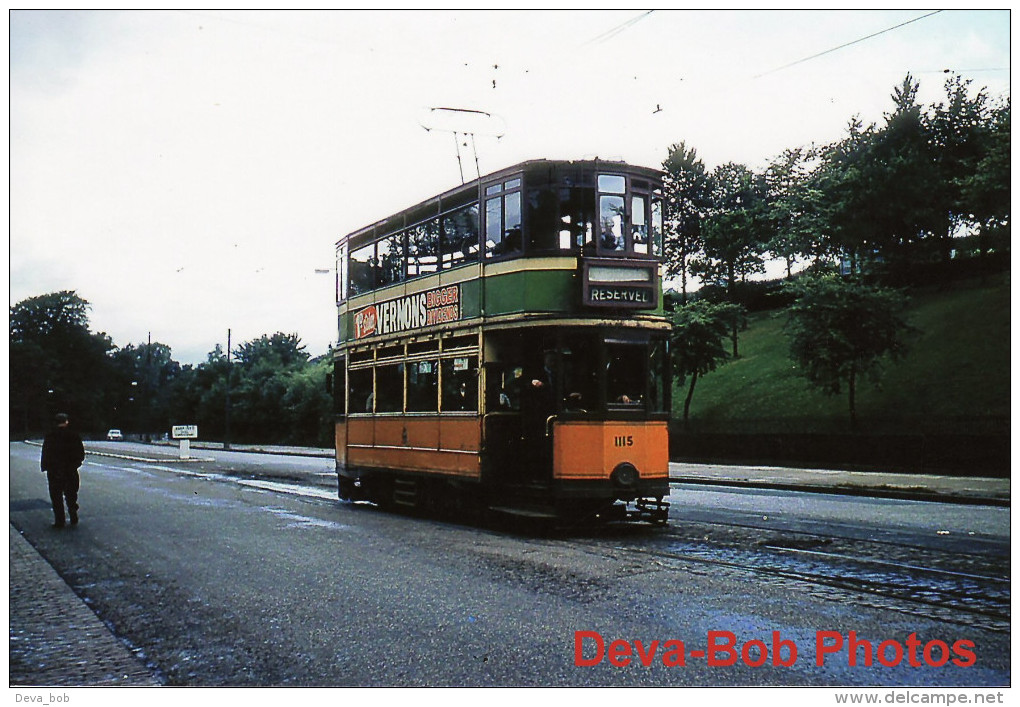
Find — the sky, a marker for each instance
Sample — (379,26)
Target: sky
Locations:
(189,172)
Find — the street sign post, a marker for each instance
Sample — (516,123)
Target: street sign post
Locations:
(185,433)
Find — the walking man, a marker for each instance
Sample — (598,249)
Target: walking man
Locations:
(62,454)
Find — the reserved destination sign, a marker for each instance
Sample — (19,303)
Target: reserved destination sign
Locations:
(634,295)
(184,431)
(620,284)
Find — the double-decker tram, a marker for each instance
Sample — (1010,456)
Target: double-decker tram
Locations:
(502,346)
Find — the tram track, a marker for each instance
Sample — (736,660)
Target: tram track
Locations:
(948,586)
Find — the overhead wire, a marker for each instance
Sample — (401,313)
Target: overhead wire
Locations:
(844,46)
(610,33)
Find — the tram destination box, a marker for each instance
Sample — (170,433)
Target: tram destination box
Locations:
(620,285)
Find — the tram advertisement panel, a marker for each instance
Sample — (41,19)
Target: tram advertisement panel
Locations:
(416,311)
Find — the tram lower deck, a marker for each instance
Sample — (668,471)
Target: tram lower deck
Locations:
(564,422)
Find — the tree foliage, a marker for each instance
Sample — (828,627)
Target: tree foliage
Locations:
(792,210)
(841,330)
(696,346)
(893,198)
(736,228)
(687,190)
(57,364)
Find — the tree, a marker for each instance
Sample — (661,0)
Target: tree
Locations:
(687,195)
(696,342)
(792,209)
(959,132)
(278,350)
(57,363)
(736,227)
(904,181)
(735,233)
(843,186)
(985,189)
(263,379)
(146,374)
(841,330)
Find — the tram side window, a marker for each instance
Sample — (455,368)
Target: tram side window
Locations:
(362,270)
(391,260)
(360,397)
(341,266)
(542,218)
(460,384)
(460,236)
(389,388)
(658,370)
(503,233)
(423,249)
(423,386)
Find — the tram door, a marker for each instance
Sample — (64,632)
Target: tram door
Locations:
(522,389)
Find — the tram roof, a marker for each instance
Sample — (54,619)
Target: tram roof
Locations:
(475,185)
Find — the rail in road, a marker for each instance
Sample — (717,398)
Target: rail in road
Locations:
(964,583)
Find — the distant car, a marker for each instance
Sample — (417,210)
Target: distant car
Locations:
(115,436)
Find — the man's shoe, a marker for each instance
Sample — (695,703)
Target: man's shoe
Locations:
(58,525)
(74,520)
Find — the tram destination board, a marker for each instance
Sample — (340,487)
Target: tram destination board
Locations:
(630,285)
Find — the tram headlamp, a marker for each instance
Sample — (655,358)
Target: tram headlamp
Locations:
(625,475)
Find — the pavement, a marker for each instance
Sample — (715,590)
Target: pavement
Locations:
(56,639)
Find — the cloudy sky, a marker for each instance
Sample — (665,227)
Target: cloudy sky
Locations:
(189,172)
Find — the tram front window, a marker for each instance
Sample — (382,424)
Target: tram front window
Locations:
(580,375)
(626,375)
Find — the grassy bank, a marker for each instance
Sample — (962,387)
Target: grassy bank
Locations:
(954,379)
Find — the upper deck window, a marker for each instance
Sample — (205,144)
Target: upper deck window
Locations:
(503,232)
(423,249)
(612,212)
(390,253)
(341,271)
(639,225)
(612,184)
(362,270)
(657,247)
(459,242)
(554,209)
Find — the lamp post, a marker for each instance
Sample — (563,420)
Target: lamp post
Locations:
(226,428)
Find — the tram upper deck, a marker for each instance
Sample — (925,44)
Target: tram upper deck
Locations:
(537,241)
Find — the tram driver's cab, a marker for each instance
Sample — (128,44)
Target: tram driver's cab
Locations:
(536,380)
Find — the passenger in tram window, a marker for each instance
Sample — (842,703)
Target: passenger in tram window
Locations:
(539,400)
(574,403)
(460,398)
(546,379)
(625,378)
(510,395)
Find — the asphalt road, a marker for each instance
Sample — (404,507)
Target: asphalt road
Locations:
(225,573)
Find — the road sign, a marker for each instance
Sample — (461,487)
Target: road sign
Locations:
(185,431)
